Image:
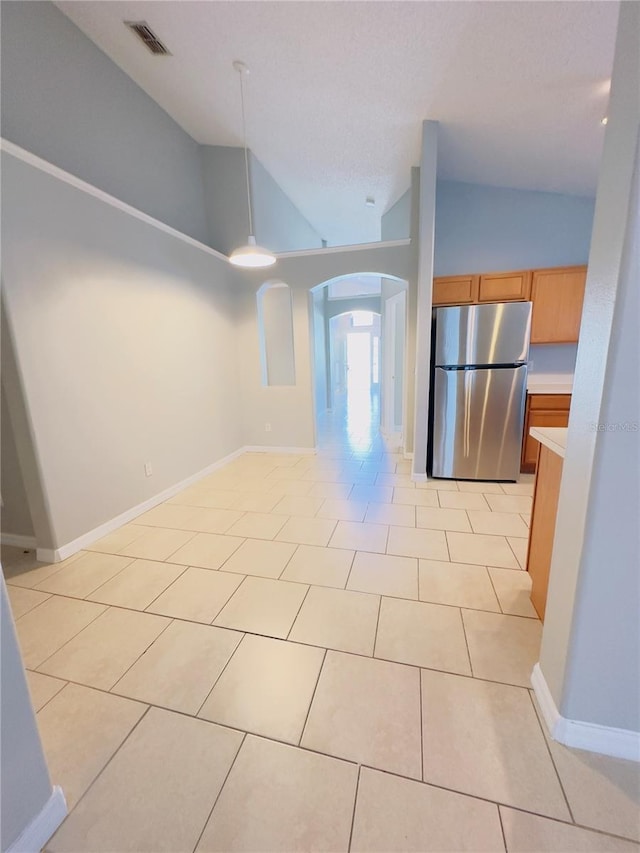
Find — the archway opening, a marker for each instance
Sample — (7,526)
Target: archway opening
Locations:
(359,337)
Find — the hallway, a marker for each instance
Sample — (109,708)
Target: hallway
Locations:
(308,652)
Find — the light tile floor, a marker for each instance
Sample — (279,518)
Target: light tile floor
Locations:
(308,653)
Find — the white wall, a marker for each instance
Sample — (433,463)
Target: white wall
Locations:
(25,788)
(125,351)
(590,640)
(66,101)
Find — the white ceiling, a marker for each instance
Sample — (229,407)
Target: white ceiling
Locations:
(338,90)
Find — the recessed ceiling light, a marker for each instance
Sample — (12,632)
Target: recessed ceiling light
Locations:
(370,201)
(604,120)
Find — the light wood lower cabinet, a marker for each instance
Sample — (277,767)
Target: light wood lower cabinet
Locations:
(543,525)
(542,410)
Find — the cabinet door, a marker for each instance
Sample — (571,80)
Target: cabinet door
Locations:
(455,290)
(505,286)
(550,401)
(557,296)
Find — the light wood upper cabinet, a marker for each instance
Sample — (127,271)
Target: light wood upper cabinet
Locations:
(505,287)
(455,290)
(557,296)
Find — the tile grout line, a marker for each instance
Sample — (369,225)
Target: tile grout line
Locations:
(233,594)
(420,686)
(95,589)
(304,598)
(284,568)
(35,606)
(354,762)
(551,758)
(220,674)
(446,541)
(143,653)
(146,610)
(57,693)
(504,837)
(107,763)
(42,662)
(375,636)
(219,794)
(313,696)
(355,805)
(351,564)
(466,642)
(153,601)
(495,592)
(523,568)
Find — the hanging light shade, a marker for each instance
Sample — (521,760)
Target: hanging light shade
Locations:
(251,255)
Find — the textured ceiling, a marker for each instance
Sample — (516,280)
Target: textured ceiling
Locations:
(338,91)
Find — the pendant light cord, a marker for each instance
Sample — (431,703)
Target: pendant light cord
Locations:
(246,151)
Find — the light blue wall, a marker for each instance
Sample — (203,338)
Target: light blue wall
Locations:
(225,192)
(396,222)
(278,223)
(488,229)
(66,101)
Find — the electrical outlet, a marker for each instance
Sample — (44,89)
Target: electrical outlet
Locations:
(267,427)
(148,470)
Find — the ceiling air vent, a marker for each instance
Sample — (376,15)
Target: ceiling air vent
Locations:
(147,35)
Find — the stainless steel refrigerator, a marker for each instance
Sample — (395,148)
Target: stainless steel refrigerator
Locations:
(479,386)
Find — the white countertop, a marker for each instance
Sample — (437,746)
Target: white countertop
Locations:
(555,438)
(549,383)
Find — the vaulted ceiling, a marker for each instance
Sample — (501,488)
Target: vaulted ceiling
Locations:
(338,91)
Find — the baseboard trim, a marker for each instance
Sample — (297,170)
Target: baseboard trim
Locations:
(606,740)
(18,540)
(265,448)
(51,555)
(34,837)
(419,478)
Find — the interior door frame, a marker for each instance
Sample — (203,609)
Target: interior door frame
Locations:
(392,305)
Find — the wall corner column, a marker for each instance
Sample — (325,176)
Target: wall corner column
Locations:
(426,240)
(592,685)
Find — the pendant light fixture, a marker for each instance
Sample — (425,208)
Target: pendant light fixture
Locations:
(250,255)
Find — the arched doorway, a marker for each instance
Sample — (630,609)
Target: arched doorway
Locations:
(358,324)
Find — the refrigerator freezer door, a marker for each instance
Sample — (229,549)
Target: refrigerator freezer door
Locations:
(477,423)
(497,333)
